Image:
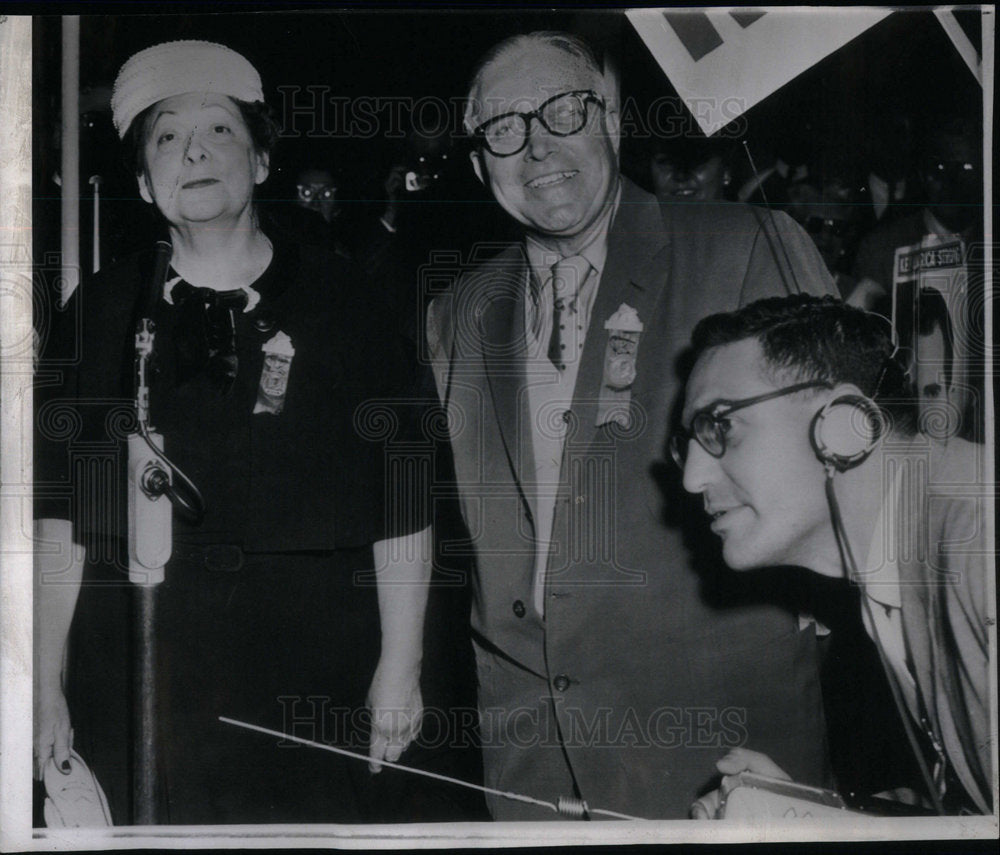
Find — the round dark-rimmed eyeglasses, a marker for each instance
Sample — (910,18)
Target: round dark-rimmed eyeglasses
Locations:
(311,192)
(562,115)
(709,428)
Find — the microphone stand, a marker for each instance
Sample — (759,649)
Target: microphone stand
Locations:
(149,545)
(152,494)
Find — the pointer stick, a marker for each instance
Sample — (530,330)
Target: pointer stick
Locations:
(572,807)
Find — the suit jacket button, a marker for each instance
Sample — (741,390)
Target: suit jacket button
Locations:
(518,608)
(567,415)
(264,323)
(561,683)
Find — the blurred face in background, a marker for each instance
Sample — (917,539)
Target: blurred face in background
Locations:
(830,220)
(953,181)
(677,179)
(317,192)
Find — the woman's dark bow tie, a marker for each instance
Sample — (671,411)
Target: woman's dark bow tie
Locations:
(205,333)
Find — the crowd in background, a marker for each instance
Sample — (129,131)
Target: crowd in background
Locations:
(394,205)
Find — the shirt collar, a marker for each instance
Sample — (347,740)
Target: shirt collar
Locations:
(253,297)
(881,571)
(541,258)
(271,283)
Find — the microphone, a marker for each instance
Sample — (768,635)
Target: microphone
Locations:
(145,329)
(161,264)
(150,531)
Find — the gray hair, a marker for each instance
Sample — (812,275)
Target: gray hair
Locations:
(569,44)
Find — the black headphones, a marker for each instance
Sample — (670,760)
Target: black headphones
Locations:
(846,430)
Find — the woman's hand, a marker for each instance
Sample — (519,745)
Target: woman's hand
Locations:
(53,736)
(397,708)
(736,761)
(58,575)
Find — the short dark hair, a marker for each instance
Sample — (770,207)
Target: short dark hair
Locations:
(819,338)
(258,117)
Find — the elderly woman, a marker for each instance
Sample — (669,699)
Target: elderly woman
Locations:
(302,592)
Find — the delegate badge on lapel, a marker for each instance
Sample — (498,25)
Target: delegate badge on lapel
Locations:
(624,328)
(278,355)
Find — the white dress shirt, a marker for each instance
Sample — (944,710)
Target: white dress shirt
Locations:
(550,391)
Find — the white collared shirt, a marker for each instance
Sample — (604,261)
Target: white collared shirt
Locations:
(882,607)
(253,297)
(550,391)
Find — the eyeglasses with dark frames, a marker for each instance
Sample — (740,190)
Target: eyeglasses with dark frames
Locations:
(310,192)
(708,427)
(562,115)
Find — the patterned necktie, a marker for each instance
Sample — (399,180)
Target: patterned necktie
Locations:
(205,333)
(568,276)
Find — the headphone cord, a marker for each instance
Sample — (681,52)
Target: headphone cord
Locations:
(904,713)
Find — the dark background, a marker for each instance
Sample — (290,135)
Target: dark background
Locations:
(862,105)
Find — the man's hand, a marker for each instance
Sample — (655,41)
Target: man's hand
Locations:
(397,708)
(736,761)
(404,572)
(53,736)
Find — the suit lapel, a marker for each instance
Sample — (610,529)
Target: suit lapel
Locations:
(634,268)
(916,597)
(918,615)
(635,265)
(504,351)
(925,622)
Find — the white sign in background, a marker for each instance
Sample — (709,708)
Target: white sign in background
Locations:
(723,62)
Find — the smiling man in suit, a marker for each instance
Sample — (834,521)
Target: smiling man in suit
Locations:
(609,669)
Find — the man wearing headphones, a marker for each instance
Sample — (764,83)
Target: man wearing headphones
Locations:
(790,432)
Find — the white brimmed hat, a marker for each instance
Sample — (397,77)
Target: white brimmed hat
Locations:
(174,68)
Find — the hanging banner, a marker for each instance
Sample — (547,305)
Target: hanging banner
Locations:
(723,62)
